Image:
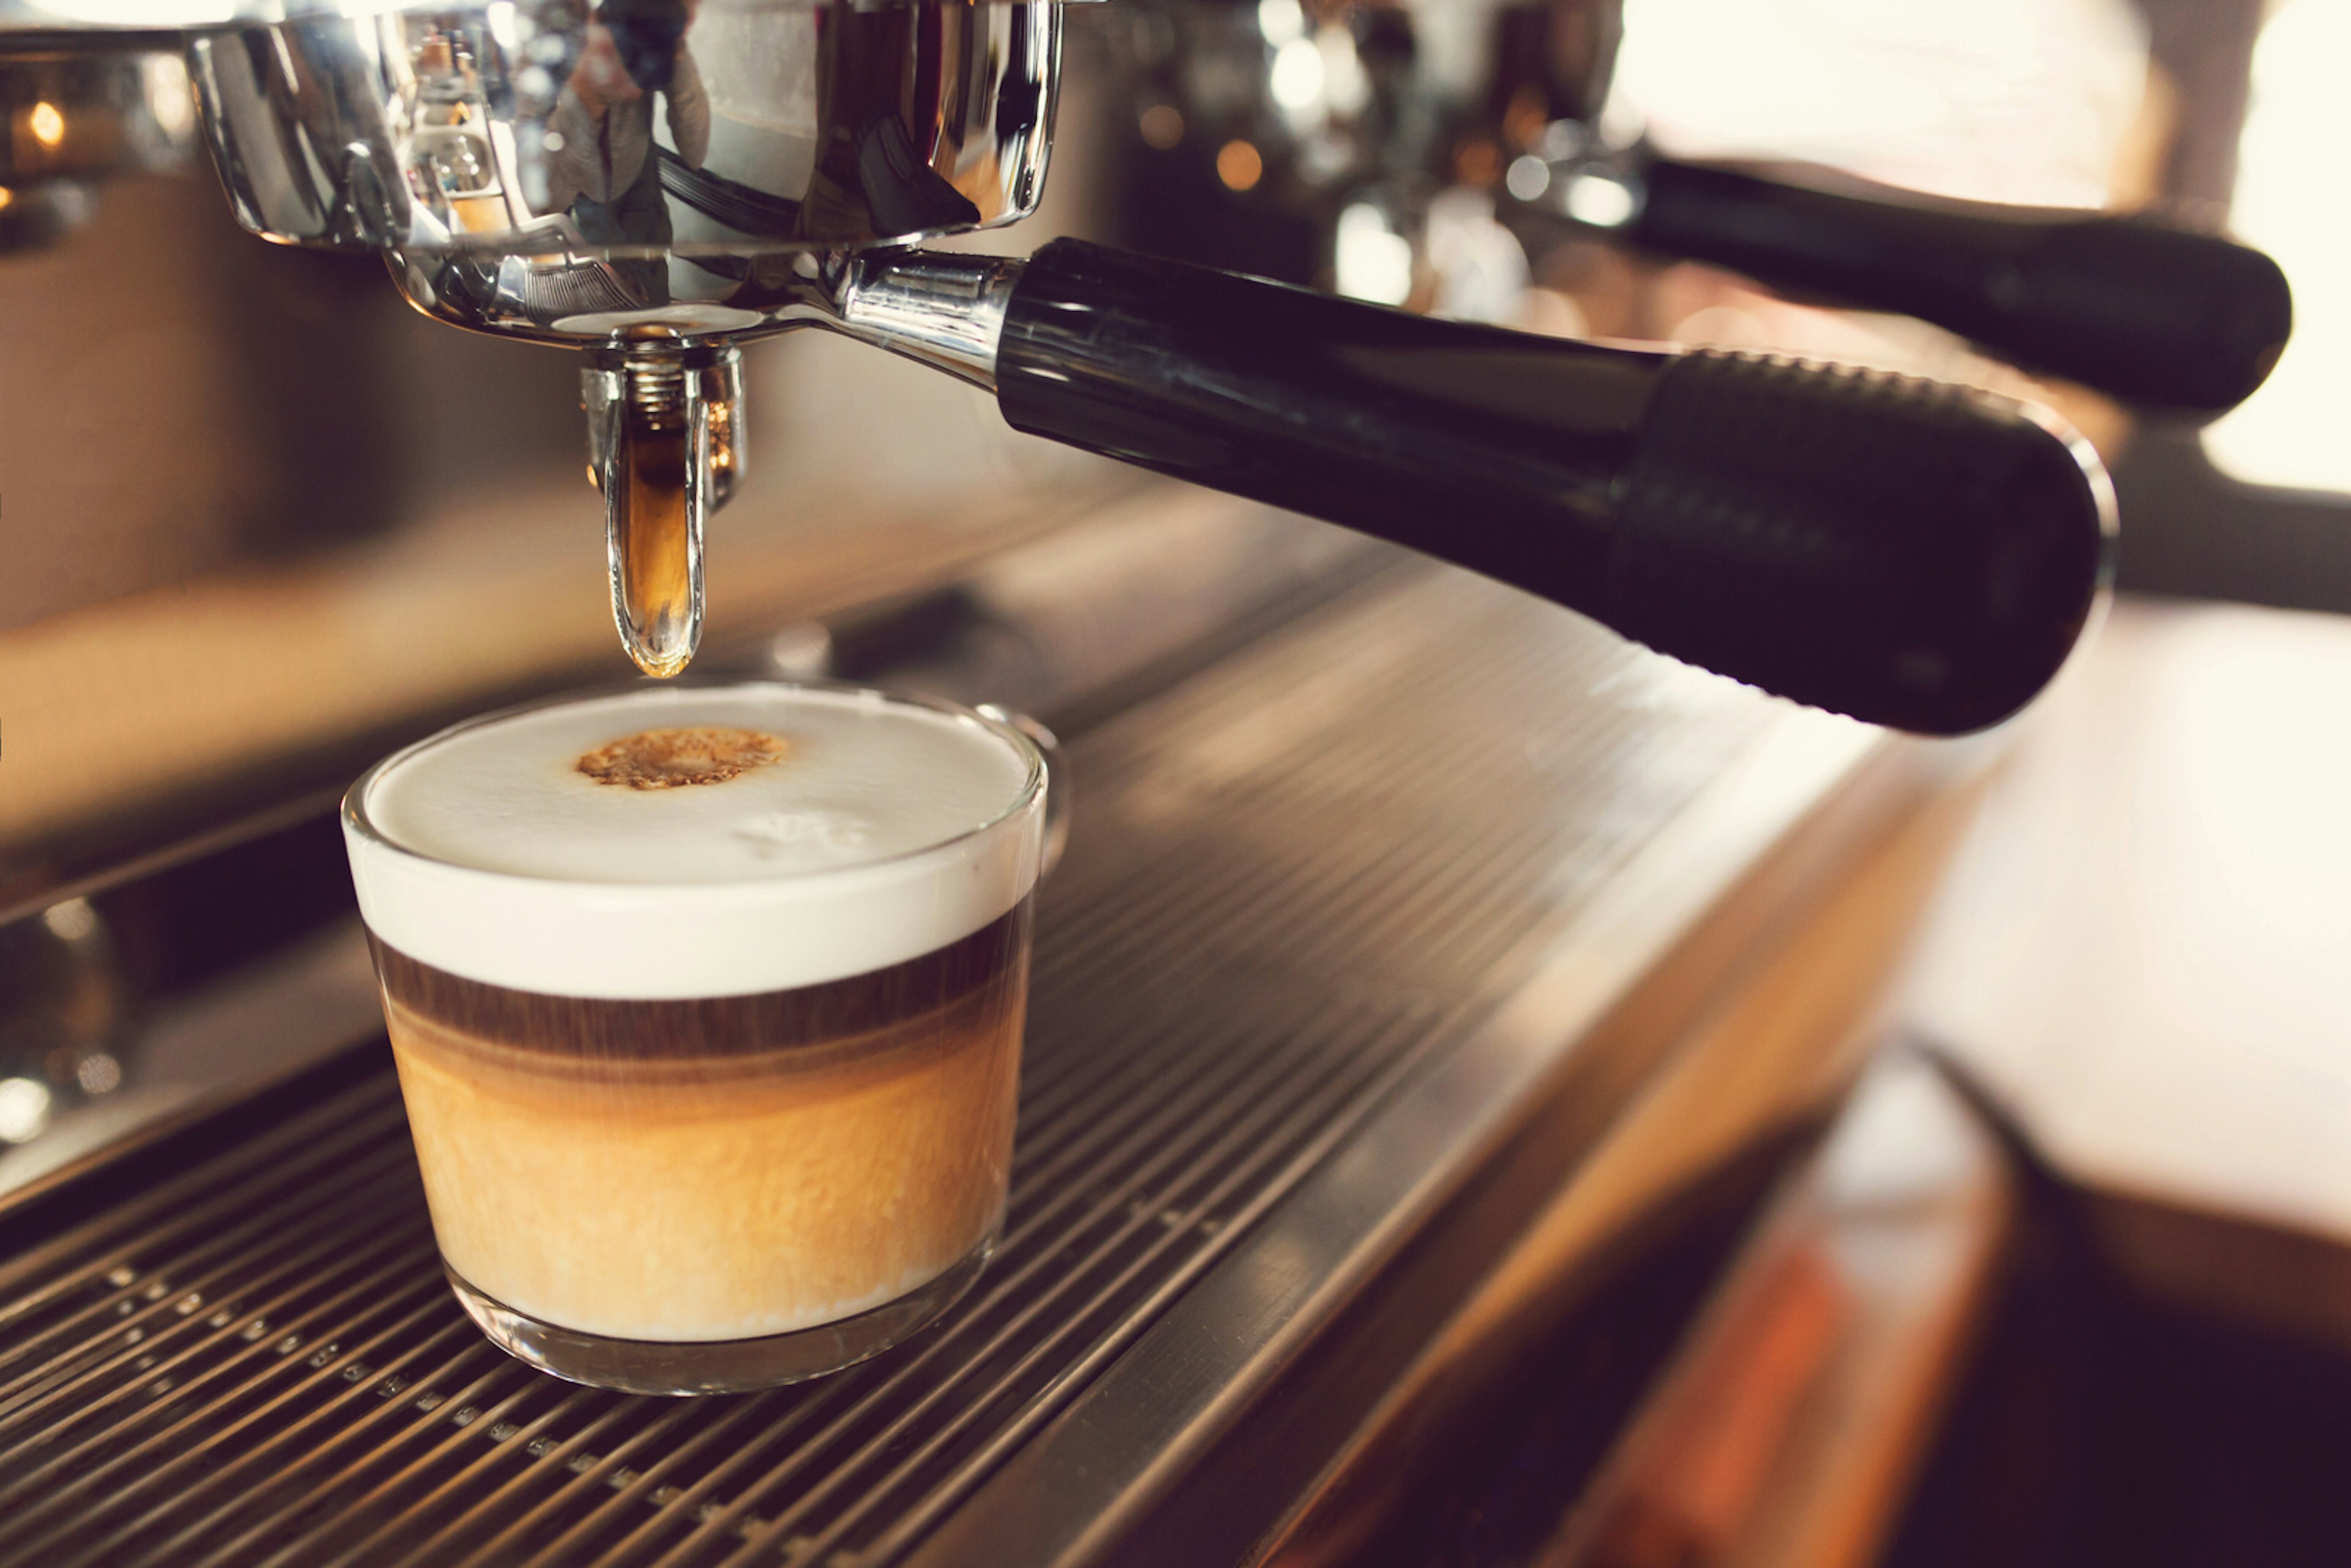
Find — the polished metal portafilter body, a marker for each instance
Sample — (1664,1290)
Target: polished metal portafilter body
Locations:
(729,128)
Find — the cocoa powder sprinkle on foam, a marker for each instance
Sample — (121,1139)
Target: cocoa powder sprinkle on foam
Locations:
(668,759)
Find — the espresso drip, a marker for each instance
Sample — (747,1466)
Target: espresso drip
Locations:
(656,517)
(656,603)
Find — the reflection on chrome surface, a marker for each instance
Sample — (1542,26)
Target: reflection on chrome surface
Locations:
(69,1014)
(664,128)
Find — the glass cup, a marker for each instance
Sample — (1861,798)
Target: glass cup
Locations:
(707,1003)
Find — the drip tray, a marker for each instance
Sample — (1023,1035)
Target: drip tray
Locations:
(1302,879)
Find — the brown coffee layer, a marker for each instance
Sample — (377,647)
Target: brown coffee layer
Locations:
(706,1027)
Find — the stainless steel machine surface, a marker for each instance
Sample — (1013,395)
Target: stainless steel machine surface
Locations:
(1336,991)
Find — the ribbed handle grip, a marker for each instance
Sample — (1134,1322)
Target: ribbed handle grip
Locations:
(1902,551)
(1918,554)
(2156,315)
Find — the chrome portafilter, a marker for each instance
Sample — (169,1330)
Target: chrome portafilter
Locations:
(658,183)
(653,182)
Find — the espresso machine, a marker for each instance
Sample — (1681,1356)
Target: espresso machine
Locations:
(1412,1030)
(656,187)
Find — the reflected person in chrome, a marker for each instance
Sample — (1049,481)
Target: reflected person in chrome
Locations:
(707,1003)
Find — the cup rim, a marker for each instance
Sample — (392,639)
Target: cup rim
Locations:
(356,820)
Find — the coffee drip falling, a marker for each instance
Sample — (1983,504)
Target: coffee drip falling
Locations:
(665,451)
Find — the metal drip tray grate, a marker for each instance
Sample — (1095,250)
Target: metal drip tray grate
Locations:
(1296,876)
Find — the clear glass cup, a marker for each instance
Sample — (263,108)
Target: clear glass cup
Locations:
(711,1117)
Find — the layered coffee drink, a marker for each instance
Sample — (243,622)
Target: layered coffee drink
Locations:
(706,1004)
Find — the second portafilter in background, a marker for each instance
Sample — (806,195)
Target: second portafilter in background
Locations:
(1913,554)
(1357,113)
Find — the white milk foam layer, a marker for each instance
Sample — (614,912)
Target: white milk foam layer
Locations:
(887,829)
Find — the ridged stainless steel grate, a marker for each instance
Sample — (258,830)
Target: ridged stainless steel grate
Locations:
(1296,876)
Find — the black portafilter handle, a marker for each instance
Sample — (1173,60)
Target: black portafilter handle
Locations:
(2155,314)
(1909,553)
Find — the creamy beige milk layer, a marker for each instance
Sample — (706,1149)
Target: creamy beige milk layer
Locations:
(721,1199)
